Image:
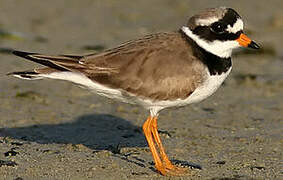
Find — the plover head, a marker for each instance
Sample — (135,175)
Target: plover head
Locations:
(218,31)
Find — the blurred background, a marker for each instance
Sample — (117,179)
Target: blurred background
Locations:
(55,130)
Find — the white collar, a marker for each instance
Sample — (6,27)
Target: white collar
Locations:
(219,48)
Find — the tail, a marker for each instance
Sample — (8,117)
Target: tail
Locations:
(61,63)
(28,75)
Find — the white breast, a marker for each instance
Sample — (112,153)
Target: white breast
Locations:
(208,87)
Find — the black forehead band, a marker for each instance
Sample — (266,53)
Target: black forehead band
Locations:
(230,17)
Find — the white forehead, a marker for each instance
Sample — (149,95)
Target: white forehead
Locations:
(206,21)
(238,26)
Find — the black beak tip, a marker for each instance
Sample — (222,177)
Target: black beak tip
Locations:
(254,45)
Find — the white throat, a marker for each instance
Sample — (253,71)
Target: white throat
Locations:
(222,49)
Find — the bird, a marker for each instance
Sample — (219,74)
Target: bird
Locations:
(157,71)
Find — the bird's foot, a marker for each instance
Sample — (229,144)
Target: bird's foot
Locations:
(173,170)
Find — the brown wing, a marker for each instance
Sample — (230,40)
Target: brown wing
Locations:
(160,66)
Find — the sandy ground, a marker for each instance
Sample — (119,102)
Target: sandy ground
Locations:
(55,130)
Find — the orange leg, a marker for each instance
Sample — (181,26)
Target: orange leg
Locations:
(163,164)
(169,167)
(147,132)
(157,139)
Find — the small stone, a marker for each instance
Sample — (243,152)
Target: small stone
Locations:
(17,143)
(11,153)
(7,163)
(221,162)
(18,178)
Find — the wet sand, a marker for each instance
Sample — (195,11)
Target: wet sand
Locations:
(54,130)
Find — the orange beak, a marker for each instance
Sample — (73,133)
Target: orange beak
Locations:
(244,41)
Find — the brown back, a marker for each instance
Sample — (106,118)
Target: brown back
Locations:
(160,66)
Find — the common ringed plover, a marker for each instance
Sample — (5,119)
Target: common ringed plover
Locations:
(157,71)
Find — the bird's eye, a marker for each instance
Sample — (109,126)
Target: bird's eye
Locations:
(218,28)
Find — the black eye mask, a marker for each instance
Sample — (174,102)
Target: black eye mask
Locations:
(217,30)
(218,27)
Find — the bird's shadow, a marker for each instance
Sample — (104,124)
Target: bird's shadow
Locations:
(96,131)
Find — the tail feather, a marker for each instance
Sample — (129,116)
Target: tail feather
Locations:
(44,60)
(60,63)
(28,55)
(28,75)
